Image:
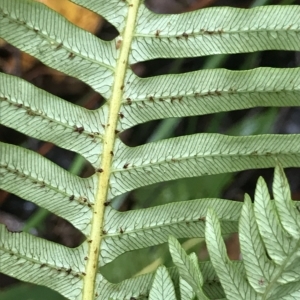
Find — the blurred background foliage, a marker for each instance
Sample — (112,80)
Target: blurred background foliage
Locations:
(19,215)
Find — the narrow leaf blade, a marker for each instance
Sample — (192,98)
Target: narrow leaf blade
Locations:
(186,291)
(288,214)
(162,287)
(278,244)
(196,155)
(234,285)
(258,268)
(188,270)
(152,226)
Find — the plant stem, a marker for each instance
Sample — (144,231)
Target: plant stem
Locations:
(97,233)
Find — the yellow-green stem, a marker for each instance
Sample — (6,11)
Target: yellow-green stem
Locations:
(95,238)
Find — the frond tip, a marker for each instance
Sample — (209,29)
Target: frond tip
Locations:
(269,238)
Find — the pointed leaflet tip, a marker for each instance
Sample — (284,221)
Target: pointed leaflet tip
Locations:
(162,287)
(276,241)
(187,266)
(257,265)
(235,286)
(288,214)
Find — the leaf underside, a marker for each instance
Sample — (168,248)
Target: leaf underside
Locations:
(274,225)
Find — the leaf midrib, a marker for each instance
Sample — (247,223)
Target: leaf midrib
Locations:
(198,156)
(220,32)
(211,93)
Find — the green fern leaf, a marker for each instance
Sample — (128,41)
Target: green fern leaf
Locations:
(40,35)
(85,202)
(235,286)
(206,91)
(24,256)
(186,291)
(162,287)
(260,271)
(289,217)
(187,266)
(47,185)
(215,31)
(267,276)
(115,11)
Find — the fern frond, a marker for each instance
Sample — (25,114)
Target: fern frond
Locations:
(114,11)
(205,92)
(29,26)
(132,230)
(215,30)
(199,154)
(267,275)
(162,287)
(186,291)
(47,185)
(39,261)
(188,267)
(77,129)
(130,100)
